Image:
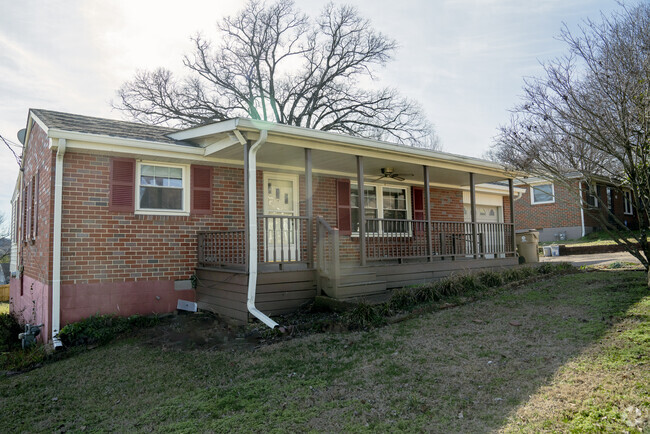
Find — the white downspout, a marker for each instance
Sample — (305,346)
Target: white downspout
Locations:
(252,231)
(56,245)
(582,209)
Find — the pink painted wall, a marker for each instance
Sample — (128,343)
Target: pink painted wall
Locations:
(33,306)
(143,297)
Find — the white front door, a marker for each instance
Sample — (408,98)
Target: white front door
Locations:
(281,232)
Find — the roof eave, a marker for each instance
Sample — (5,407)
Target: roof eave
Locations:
(248,125)
(55,133)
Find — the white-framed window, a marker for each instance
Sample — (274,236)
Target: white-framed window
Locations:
(542,193)
(162,188)
(381,202)
(627,202)
(593,193)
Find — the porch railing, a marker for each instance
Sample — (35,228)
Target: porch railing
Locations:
(283,238)
(222,248)
(393,238)
(400,239)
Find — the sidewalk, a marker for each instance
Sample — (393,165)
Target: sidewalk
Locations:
(592,259)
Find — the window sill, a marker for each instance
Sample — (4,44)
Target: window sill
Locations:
(543,203)
(167,212)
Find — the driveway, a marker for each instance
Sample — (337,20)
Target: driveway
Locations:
(592,259)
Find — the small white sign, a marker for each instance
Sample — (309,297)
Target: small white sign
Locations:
(189,306)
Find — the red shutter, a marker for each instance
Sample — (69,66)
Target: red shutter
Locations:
(122,185)
(418,203)
(343,217)
(26,211)
(201,196)
(36,196)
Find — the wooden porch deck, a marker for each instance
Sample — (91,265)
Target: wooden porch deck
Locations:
(224,291)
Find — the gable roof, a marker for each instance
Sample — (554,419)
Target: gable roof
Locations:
(107,127)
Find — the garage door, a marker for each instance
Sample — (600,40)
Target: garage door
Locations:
(484,214)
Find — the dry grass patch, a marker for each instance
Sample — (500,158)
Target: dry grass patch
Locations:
(606,388)
(463,369)
(4,307)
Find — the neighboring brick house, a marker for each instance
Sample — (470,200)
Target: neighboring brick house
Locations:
(555,210)
(118,217)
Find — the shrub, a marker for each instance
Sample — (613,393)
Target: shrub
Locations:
(552,268)
(515,274)
(402,298)
(363,315)
(447,287)
(490,278)
(19,360)
(101,329)
(9,330)
(426,293)
(470,282)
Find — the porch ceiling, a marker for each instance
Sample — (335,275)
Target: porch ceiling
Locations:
(288,158)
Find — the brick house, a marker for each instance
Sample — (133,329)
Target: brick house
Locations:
(240,216)
(555,210)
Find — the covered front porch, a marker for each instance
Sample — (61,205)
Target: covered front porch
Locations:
(345,217)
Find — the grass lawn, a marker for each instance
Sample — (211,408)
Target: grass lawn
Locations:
(4,307)
(561,354)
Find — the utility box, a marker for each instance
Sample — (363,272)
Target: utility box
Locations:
(528,245)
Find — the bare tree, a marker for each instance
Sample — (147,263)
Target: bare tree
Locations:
(590,114)
(275,63)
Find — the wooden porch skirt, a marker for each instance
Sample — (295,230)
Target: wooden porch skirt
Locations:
(224,292)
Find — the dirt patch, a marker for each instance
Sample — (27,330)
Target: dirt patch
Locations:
(200,330)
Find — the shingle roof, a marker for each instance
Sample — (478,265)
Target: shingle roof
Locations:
(107,127)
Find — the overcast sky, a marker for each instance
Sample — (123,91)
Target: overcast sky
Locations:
(463,60)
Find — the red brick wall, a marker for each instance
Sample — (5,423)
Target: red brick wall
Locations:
(619,208)
(446,205)
(35,256)
(29,295)
(563,213)
(506,210)
(103,246)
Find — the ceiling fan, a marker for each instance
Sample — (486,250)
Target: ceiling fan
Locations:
(388,172)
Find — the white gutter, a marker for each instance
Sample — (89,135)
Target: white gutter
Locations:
(252,231)
(56,260)
(582,208)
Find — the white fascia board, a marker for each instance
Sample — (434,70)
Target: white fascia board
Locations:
(121,144)
(497,189)
(357,143)
(222,144)
(533,180)
(28,128)
(326,136)
(205,130)
(38,121)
